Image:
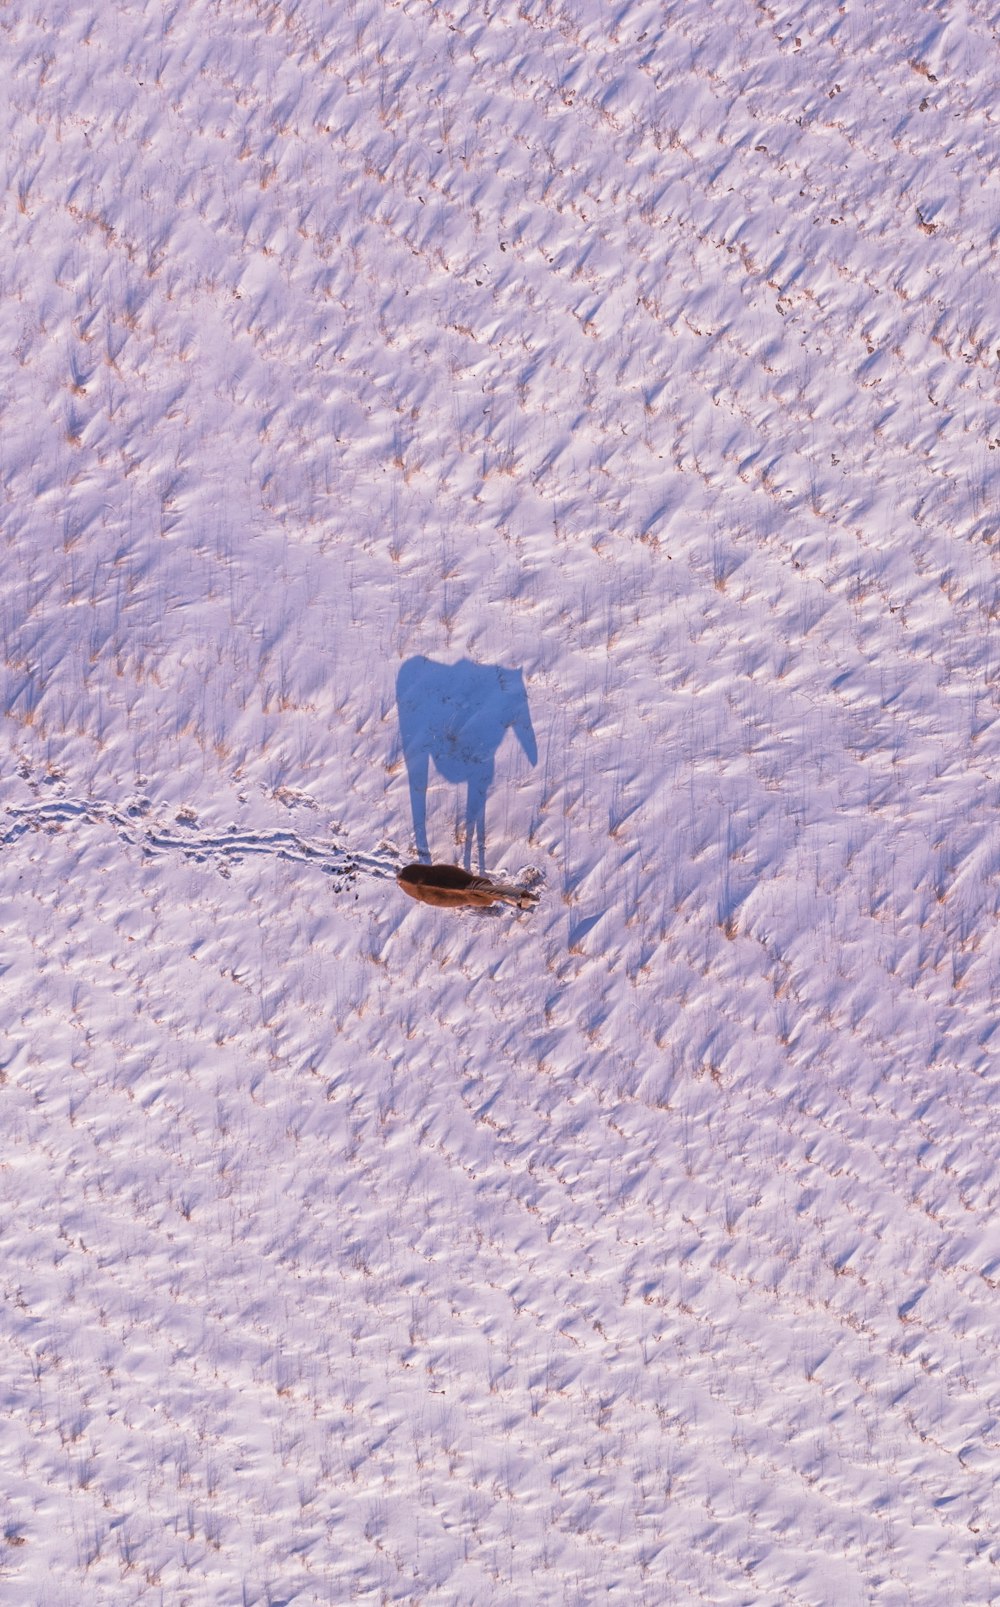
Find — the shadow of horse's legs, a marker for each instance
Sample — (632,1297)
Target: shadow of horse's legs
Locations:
(475,818)
(416,768)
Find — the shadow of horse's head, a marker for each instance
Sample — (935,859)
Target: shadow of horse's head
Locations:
(458,715)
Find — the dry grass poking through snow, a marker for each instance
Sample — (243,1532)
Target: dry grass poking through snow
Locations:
(641,1248)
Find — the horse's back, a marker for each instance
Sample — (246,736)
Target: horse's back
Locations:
(446,886)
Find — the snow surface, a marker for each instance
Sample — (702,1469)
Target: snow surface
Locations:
(641,1248)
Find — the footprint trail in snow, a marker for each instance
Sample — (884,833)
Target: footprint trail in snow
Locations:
(135,825)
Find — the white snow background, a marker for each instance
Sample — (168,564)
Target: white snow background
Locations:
(642,1248)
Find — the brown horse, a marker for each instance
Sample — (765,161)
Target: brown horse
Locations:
(448,887)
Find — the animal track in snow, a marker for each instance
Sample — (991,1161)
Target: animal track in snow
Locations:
(135,825)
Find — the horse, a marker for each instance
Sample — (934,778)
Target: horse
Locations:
(449,887)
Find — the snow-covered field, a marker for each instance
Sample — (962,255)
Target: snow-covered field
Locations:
(638,362)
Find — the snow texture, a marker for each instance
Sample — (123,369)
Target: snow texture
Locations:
(634,367)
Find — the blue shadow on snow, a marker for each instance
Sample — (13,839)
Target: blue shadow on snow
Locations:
(458,715)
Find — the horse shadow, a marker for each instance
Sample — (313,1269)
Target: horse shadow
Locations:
(458,715)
